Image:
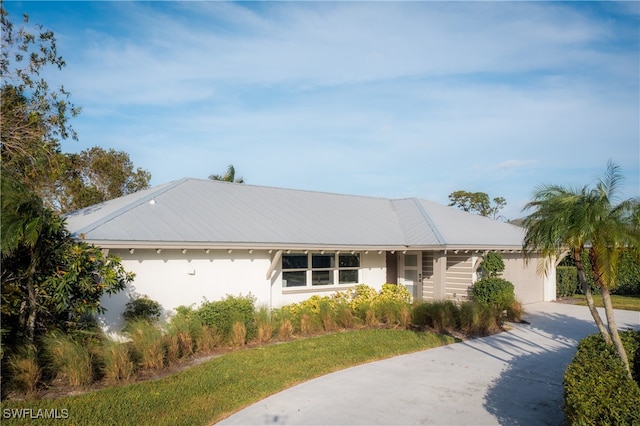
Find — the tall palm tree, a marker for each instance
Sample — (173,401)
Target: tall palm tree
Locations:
(574,220)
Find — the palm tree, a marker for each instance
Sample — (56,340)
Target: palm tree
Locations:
(574,220)
(229,176)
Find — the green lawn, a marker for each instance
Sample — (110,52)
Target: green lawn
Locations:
(629,303)
(211,391)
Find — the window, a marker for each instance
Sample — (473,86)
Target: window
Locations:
(294,267)
(326,269)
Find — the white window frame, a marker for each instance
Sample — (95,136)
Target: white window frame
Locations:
(335,270)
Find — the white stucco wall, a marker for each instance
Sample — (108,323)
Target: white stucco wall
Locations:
(174,278)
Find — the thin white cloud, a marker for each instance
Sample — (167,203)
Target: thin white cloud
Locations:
(383,98)
(513,164)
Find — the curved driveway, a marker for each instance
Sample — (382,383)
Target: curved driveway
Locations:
(513,378)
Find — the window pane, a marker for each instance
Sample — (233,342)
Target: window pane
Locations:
(294,261)
(323,261)
(294,279)
(349,260)
(411,260)
(411,275)
(349,277)
(322,277)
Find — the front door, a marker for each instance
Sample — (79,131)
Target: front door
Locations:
(411,272)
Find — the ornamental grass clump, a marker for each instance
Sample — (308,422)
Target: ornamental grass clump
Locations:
(207,339)
(477,319)
(285,330)
(147,344)
(117,364)
(25,373)
(264,325)
(68,359)
(238,334)
(327,315)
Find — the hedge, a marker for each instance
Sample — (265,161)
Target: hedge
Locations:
(566,281)
(597,389)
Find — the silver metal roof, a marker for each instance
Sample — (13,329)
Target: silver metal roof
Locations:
(206,213)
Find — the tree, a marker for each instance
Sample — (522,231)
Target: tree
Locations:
(477,202)
(34,117)
(492,264)
(229,176)
(93,176)
(575,220)
(49,280)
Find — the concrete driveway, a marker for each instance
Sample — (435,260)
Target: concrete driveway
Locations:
(513,378)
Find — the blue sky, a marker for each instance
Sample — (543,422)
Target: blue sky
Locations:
(392,99)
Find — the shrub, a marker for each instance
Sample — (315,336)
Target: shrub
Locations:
(597,389)
(24,369)
(223,314)
(142,308)
(566,281)
(628,281)
(494,291)
(68,359)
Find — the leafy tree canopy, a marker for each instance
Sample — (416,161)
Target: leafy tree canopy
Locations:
(477,202)
(49,280)
(34,116)
(93,176)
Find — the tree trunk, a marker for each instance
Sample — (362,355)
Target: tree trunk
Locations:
(586,288)
(32,301)
(613,329)
(30,326)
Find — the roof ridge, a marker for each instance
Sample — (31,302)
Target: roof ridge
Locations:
(280,188)
(154,193)
(427,218)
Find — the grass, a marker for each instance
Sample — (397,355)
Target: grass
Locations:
(628,303)
(212,391)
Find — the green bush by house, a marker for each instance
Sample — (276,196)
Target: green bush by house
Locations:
(597,389)
(566,281)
